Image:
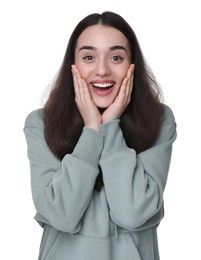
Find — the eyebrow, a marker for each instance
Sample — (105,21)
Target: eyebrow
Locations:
(118,47)
(115,47)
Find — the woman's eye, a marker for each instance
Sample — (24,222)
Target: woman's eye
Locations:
(88,58)
(117,58)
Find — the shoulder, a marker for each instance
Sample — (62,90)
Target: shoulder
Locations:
(35,119)
(168,117)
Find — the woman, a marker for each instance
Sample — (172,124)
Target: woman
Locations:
(100,149)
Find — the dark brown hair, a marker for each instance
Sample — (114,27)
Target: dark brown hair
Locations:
(140,121)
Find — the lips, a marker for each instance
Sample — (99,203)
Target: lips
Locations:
(102,88)
(102,85)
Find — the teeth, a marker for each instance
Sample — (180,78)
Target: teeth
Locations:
(102,85)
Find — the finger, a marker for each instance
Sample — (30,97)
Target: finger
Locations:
(79,84)
(128,79)
(130,76)
(82,86)
(130,85)
(77,76)
(75,82)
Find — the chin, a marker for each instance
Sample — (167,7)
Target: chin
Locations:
(103,103)
(103,106)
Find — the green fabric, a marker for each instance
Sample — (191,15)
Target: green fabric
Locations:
(120,222)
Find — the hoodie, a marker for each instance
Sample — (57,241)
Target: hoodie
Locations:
(119,222)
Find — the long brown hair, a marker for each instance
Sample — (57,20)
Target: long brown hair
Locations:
(141,120)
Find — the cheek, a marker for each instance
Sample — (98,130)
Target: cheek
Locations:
(84,71)
(120,75)
(122,70)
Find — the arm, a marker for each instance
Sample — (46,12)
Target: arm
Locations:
(134,183)
(63,189)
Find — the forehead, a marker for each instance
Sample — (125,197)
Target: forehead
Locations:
(101,35)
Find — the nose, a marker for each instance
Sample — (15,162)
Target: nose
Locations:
(102,68)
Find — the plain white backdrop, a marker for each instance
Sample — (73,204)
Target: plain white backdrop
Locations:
(34,36)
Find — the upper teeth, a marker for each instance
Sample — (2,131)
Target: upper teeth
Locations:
(102,85)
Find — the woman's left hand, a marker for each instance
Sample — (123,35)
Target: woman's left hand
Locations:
(115,110)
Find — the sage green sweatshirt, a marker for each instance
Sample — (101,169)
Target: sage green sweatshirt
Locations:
(119,222)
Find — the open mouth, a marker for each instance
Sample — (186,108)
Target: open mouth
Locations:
(102,86)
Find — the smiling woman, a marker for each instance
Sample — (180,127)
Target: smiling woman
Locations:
(103,65)
(100,149)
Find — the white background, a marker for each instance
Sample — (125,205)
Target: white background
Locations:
(33,39)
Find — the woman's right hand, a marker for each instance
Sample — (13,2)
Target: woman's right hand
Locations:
(88,110)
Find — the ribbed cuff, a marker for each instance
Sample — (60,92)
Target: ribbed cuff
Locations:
(89,147)
(114,141)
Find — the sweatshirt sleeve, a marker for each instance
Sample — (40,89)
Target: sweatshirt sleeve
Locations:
(135,183)
(62,190)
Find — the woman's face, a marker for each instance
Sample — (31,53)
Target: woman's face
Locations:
(103,56)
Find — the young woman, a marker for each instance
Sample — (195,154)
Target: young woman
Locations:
(100,149)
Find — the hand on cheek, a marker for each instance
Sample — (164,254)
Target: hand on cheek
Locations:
(115,110)
(88,110)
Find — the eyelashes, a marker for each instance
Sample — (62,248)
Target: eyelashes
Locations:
(117,58)
(88,58)
(114,58)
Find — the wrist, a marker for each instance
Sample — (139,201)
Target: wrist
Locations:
(106,118)
(94,127)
